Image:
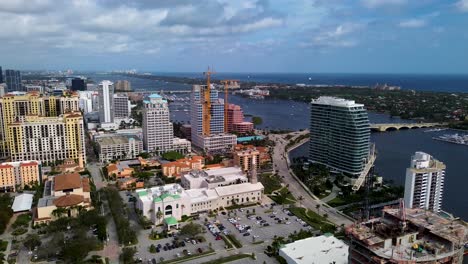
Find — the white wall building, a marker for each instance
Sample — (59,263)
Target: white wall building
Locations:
(158,132)
(217,140)
(88,101)
(106,105)
(424,182)
(117,147)
(221,191)
(322,249)
(213,178)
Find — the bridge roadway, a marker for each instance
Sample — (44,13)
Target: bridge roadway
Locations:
(397,126)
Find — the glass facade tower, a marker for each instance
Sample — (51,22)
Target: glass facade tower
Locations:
(339,135)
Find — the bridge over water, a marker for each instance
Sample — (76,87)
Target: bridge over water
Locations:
(398,126)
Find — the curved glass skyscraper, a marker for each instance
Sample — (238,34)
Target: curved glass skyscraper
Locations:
(339,135)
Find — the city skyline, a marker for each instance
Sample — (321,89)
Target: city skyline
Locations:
(366,36)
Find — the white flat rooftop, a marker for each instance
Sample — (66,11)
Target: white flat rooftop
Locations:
(316,250)
(201,195)
(335,101)
(22,202)
(238,188)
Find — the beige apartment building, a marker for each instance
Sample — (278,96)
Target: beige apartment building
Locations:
(15,175)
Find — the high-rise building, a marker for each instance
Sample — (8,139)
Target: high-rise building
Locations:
(1,75)
(16,107)
(217,140)
(235,121)
(424,182)
(77,84)
(339,135)
(121,106)
(123,86)
(13,80)
(106,105)
(158,132)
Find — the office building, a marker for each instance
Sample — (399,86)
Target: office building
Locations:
(118,147)
(3,89)
(424,182)
(106,105)
(123,86)
(88,101)
(158,132)
(13,80)
(78,84)
(407,236)
(339,135)
(214,140)
(16,107)
(322,249)
(1,75)
(235,121)
(64,196)
(121,106)
(19,174)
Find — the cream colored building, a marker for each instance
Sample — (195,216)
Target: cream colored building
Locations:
(19,174)
(64,195)
(15,107)
(243,158)
(175,168)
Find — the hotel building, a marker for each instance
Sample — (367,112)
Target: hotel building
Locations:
(424,182)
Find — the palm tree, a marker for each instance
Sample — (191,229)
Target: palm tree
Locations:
(300,199)
(159,215)
(317,206)
(59,212)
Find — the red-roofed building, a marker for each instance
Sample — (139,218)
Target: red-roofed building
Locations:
(19,174)
(175,168)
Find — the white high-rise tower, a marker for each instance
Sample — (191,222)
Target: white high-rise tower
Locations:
(106,105)
(424,182)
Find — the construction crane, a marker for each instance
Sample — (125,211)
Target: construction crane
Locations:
(226,104)
(207,104)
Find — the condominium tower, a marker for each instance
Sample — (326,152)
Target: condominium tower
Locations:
(43,128)
(123,85)
(339,135)
(424,182)
(216,140)
(121,106)
(106,105)
(158,132)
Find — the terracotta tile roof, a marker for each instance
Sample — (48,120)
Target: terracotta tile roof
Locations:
(197,158)
(67,181)
(6,166)
(32,163)
(86,187)
(68,200)
(112,167)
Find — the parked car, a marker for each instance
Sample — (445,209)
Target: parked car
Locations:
(200,250)
(246,234)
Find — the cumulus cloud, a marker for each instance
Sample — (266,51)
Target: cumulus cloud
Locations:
(341,35)
(462,5)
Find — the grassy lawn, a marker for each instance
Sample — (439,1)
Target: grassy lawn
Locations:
(270,182)
(228,259)
(3,245)
(22,221)
(189,257)
(343,200)
(234,240)
(313,219)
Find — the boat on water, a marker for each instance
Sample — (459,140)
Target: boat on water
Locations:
(453,138)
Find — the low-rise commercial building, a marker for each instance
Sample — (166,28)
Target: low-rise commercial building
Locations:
(321,249)
(19,174)
(119,170)
(64,195)
(167,204)
(212,178)
(117,147)
(175,168)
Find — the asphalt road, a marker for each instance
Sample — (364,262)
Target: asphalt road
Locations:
(310,201)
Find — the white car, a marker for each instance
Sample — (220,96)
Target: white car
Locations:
(288,223)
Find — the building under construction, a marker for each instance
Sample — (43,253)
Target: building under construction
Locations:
(208,114)
(408,236)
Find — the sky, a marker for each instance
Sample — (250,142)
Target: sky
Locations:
(335,36)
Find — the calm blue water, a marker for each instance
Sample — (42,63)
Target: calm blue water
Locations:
(426,82)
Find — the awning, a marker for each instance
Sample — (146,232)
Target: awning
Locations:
(22,202)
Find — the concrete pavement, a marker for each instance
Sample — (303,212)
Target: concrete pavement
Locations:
(296,187)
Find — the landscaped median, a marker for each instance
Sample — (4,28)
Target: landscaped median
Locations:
(230,258)
(234,240)
(315,220)
(189,257)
